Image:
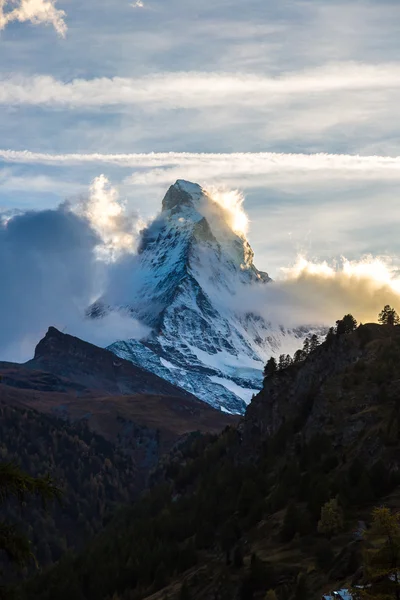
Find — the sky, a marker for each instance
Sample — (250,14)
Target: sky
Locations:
(276,84)
(294,103)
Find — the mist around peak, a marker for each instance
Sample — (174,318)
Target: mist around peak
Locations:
(56,263)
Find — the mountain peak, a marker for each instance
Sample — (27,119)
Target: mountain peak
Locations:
(95,368)
(182,193)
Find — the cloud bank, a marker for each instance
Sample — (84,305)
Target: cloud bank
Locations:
(37,12)
(321,293)
(51,271)
(56,263)
(190,90)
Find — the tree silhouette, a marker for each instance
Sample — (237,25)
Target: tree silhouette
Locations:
(330,336)
(314,343)
(388,316)
(299,356)
(306,346)
(270,368)
(346,325)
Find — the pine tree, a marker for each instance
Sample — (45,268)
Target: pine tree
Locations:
(388,316)
(282,362)
(306,346)
(331,518)
(270,368)
(346,325)
(314,343)
(330,336)
(288,360)
(299,356)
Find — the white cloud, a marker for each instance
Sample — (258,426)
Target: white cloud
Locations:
(138,4)
(251,168)
(54,255)
(37,12)
(110,218)
(197,89)
(322,292)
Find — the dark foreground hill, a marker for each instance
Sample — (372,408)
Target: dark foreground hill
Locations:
(74,380)
(89,367)
(98,425)
(232,516)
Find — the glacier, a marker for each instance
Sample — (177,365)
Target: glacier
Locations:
(188,285)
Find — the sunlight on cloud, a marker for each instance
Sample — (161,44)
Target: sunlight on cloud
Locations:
(138,4)
(232,203)
(322,292)
(76,253)
(312,293)
(110,219)
(37,12)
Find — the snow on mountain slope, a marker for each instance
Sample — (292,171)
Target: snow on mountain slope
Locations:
(189,284)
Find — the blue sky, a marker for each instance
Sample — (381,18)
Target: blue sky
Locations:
(296,78)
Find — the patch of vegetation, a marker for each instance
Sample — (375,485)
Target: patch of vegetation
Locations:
(93,475)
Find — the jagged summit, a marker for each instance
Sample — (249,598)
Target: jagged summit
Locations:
(192,267)
(182,193)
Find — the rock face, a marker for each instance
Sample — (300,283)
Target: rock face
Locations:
(94,368)
(189,284)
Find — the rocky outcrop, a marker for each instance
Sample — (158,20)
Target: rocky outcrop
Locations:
(95,368)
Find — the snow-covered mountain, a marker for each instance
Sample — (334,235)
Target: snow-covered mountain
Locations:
(189,286)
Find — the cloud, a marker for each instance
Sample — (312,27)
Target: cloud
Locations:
(50,272)
(109,217)
(232,203)
(316,294)
(321,293)
(137,4)
(37,12)
(163,168)
(68,257)
(198,89)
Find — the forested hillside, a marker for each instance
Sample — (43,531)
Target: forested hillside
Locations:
(274,504)
(95,477)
